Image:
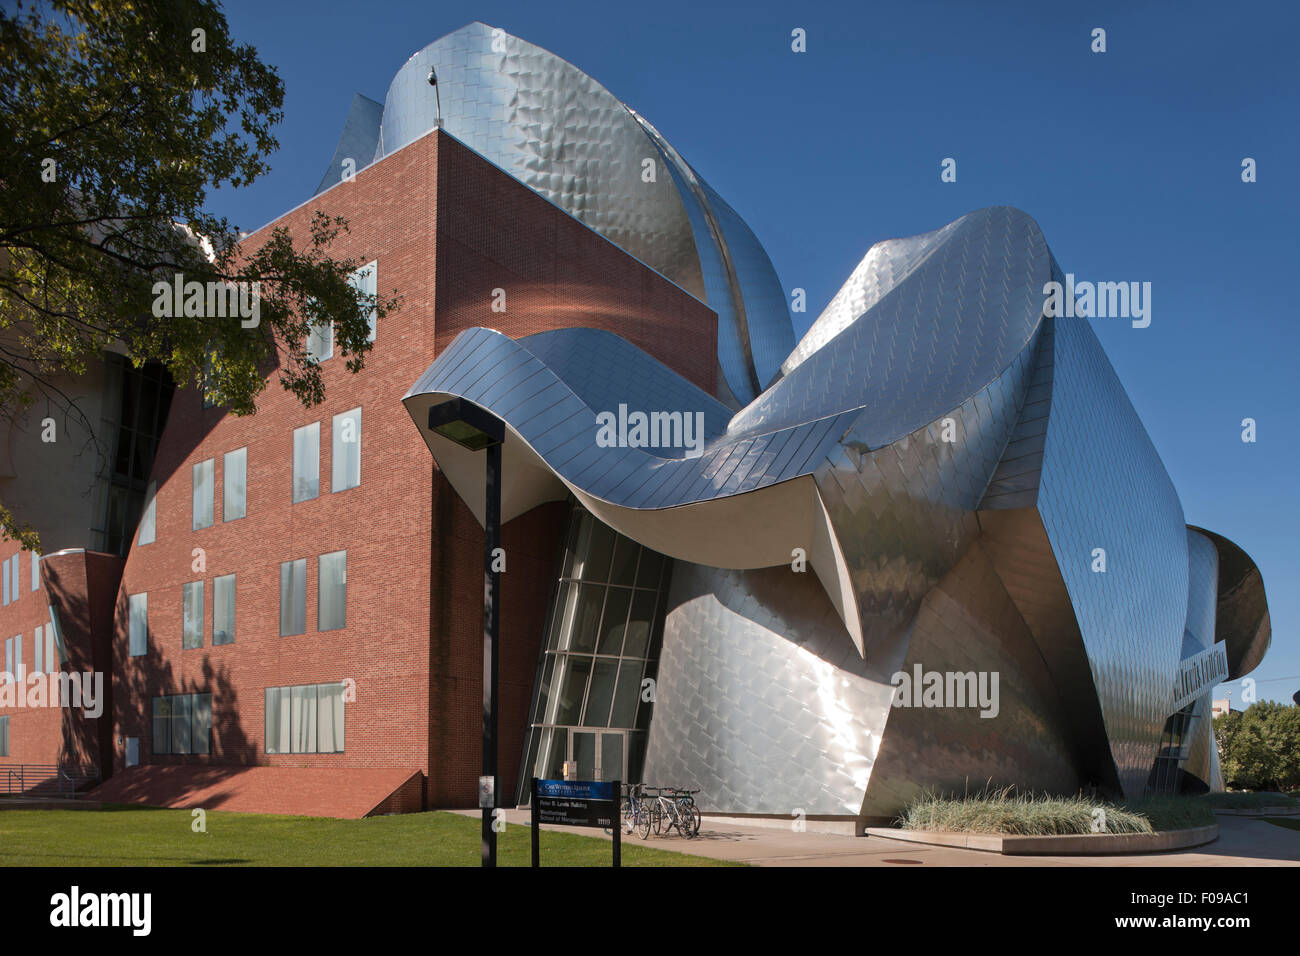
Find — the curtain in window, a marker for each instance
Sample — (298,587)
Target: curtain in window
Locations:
(306,462)
(192,614)
(203,494)
(201,724)
(345,457)
(148,518)
(293,597)
(332,584)
(223,610)
(234,474)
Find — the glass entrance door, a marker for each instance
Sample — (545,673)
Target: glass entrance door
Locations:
(599,754)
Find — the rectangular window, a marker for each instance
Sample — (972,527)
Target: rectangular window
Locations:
(320,341)
(332,589)
(138,625)
(182,724)
(234,474)
(307,719)
(293,597)
(36,571)
(56,651)
(223,610)
(14,658)
(6,579)
(16,575)
(203,493)
(345,456)
(192,614)
(4,736)
(132,751)
(306,462)
(366,279)
(148,518)
(182,727)
(38,650)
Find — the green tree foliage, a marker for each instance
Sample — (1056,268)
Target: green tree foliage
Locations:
(116,119)
(1259,748)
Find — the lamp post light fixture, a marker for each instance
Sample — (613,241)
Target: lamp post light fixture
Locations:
(476,429)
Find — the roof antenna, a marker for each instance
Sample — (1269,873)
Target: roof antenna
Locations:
(437,98)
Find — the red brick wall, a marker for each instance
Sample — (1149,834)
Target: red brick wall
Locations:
(556,273)
(82,586)
(446,228)
(408,798)
(383,523)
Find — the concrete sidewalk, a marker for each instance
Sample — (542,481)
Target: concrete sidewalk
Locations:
(1242,842)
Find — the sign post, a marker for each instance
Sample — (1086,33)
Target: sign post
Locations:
(577,803)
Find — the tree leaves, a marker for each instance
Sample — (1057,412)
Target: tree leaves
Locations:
(114,127)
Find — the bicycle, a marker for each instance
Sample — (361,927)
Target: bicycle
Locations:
(636,814)
(686,800)
(667,812)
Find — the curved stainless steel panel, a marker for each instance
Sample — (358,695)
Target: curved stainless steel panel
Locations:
(963,458)
(1198,633)
(357,142)
(1103,487)
(565,136)
(1241,619)
(553,128)
(762,700)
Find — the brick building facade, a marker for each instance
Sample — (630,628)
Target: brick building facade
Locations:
(446,229)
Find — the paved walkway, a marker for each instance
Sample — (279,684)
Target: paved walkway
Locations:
(1242,842)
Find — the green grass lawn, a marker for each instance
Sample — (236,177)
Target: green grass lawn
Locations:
(139,836)
(1289,822)
(1239,800)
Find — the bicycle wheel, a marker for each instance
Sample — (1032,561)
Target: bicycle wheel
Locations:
(687,828)
(695,818)
(643,821)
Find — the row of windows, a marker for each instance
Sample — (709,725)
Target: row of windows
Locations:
(331,594)
(182,724)
(319,343)
(233,488)
(345,473)
(320,337)
(223,612)
(10,569)
(345,457)
(49,651)
(306,719)
(331,605)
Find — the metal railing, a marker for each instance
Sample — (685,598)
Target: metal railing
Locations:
(45,780)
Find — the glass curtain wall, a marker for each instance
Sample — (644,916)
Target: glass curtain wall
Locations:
(136,404)
(1173,752)
(602,642)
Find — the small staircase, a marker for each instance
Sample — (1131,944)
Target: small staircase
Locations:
(46,780)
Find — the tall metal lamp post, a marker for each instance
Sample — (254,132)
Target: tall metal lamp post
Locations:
(475,428)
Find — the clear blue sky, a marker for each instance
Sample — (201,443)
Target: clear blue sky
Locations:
(1130,161)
